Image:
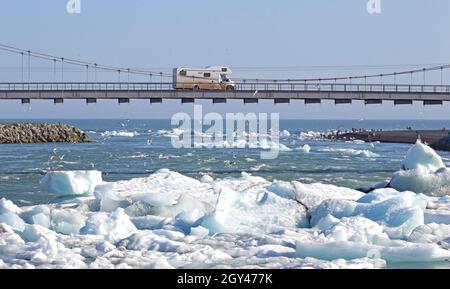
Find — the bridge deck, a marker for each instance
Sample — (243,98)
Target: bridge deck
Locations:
(369,92)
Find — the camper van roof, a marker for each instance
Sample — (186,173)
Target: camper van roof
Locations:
(209,68)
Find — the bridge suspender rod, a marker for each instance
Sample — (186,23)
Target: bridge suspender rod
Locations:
(29,64)
(22,65)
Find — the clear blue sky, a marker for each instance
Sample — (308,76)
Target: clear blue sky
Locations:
(240,34)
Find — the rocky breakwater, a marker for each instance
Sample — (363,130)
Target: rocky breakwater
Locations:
(18,133)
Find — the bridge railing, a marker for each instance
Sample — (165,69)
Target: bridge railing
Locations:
(240,86)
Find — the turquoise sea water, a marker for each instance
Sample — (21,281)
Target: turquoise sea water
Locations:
(125,157)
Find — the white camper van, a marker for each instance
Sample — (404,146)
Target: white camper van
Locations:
(211,77)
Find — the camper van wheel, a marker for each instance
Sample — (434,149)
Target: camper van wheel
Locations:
(196,87)
(230,87)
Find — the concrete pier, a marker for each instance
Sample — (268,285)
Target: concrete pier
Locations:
(432,137)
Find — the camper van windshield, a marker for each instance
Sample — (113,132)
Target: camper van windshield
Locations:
(223,77)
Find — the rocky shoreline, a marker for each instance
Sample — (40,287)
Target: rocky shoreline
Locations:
(23,133)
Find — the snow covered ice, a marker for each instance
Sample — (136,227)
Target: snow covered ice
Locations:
(71,182)
(423,172)
(169,220)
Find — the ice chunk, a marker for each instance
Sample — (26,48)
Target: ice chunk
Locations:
(113,226)
(353,229)
(148,240)
(285,133)
(71,182)
(326,223)
(421,155)
(423,180)
(12,220)
(67,221)
(354,250)
(253,211)
(32,233)
(399,214)
(272,145)
(423,172)
(282,189)
(6,206)
(149,222)
(207,179)
(305,148)
(39,215)
(430,233)
(199,231)
(312,195)
(166,193)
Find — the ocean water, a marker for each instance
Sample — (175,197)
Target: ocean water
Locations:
(140,147)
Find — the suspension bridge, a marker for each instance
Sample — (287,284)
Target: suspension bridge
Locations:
(341,90)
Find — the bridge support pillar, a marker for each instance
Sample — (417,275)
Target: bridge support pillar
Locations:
(342,101)
(432,102)
(250,100)
(25,100)
(155,100)
(58,100)
(91,100)
(373,101)
(281,100)
(219,100)
(187,100)
(123,100)
(402,101)
(312,100)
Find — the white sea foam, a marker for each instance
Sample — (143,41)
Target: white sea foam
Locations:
(351,152)
(121,133)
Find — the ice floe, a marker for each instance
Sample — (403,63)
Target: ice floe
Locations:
(169,220)
(423,171)
(71,182)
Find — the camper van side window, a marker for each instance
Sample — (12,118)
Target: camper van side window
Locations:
(224,69)
(183,72)
(206,74)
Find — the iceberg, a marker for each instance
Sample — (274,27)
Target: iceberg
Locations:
(399,214)
(423,171)
(113,226)
(421,155)
(253,211)
(71,182)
